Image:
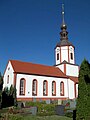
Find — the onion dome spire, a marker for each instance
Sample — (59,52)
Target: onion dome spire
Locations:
(64,34)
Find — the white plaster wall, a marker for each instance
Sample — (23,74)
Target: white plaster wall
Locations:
(57,51)
(9,71)
(61,67)
(40,79)
(64,53)
(72,70)
(71,89)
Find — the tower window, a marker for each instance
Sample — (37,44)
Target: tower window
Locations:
(57,56)
(64,35)
(71,54)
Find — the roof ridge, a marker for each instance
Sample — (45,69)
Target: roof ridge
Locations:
(32,63)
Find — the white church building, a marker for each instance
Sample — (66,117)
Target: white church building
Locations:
(41,82)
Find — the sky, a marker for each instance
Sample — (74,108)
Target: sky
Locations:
(29,30)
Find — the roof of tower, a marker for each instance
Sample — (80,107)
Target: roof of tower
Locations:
(64,43)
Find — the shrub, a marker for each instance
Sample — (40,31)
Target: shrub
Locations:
(69,114)
(43,108)
(15,117)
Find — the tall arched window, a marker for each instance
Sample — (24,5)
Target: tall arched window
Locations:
(62,88)
(7,79)
(53,88)
(45,88)
(22,86)
(71,54)
(34,87)
(57,56)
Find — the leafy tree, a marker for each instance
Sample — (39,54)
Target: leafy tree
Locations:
(83,103)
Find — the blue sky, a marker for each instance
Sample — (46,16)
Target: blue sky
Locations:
(29,29)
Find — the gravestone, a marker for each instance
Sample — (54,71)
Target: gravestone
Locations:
(59,109)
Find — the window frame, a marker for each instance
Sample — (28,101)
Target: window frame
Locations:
(22,86)
(62,88)
(57,56)
(8,79)
(34,87)
(45,88)
(53,88)
(71,55)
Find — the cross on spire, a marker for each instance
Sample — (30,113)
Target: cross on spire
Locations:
(63,21)
(63,14)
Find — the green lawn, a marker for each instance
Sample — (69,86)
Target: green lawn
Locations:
(54,117)
(9,116)
(30,117)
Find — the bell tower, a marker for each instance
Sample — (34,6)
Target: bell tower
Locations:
(64,50)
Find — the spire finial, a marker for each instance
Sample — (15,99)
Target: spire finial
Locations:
(63,22)
(63,33)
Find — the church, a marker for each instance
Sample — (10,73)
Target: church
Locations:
(42,82)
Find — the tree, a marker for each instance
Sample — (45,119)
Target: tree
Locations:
(9,94)
(83,103)
(12,94)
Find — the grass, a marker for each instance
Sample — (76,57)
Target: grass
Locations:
(17,114)
(9,116)
(54,117)
(30,117)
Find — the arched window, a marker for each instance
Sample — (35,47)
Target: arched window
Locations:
(34,87)
(7,79)
(71,54)
(53,88)
(62,88)
(22,86)
(57,56)
(45,88)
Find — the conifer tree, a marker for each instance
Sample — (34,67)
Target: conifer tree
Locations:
(83,103)
(12,93)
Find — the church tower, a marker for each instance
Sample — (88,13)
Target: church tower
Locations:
(64,50)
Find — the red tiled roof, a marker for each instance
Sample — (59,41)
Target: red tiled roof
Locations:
(36,69)
(75,79)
